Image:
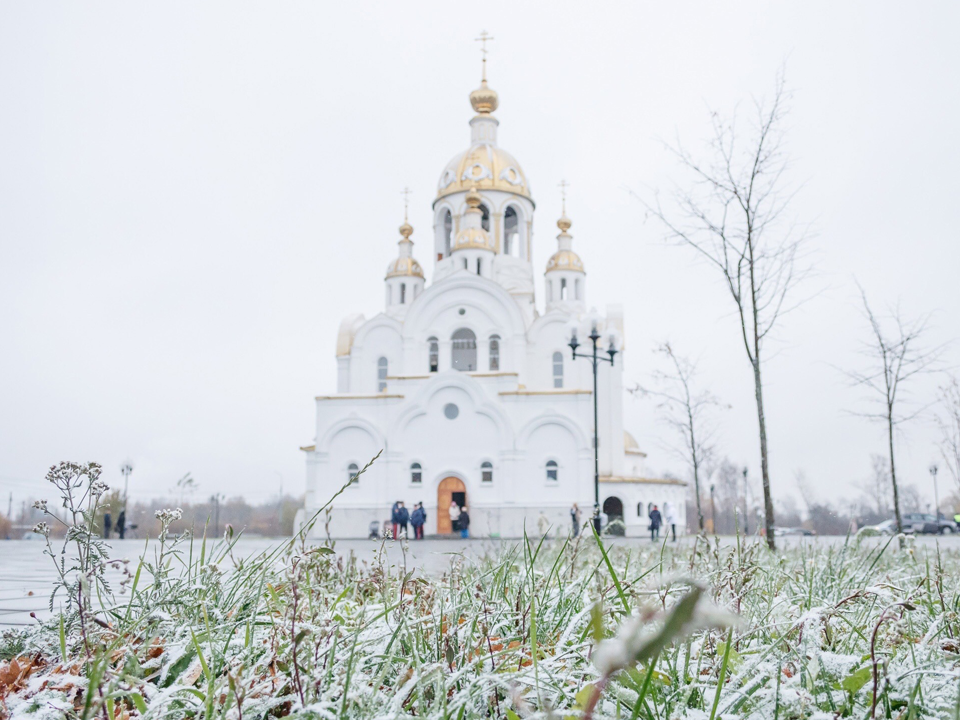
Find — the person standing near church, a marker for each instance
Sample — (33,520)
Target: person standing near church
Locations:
(403,517)
(464,522)
(107,524)
(122,524)
(575,519)
(656,520)
(418,519)
(671,519)
(454,517)
(395,518)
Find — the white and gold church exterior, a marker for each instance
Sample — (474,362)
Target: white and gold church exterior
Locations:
(468,389)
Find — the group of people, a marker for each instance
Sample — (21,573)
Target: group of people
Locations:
(656,521)
(400,517)
(460,519)
(121,525)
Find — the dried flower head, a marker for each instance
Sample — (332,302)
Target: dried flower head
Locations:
(41,528)
(98,488)
(169,515)
(40,505)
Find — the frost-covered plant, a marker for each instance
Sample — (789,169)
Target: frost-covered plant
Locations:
(83,557)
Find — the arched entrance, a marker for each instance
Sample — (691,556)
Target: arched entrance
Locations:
(614,511)
(450,490)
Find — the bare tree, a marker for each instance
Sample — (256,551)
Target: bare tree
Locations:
(876,488)
(686,410)
(896,356)
(734,216)
(948,419)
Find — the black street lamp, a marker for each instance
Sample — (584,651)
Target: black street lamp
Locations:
(936,495)
(595,361)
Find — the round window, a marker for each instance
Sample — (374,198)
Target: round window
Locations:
(451,411)
(462,311)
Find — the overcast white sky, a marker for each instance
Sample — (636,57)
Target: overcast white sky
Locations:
(192,195)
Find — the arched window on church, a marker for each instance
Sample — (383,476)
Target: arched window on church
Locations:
(494,353)
(416,474)
(434,354)
(463,353)
(553,471)
(352,471)
(479,267)
(576,290)
(486,472)
(447,232)
(558,370)
(403,293)
(511,232)
(485,218)
(381,374)
(563,289)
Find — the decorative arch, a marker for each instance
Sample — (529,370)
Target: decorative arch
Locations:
(351,421)
(513,231)
(550,418)
(417,407)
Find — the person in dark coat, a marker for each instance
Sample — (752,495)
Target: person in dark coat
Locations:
(418,518)
(656,520)
(403,517)
(107,524)
(575,519)
(395,518)
(122,524)
(464,522)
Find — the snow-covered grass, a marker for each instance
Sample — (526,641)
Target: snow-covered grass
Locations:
(560,629)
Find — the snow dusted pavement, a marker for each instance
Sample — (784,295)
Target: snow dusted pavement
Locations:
(27,575)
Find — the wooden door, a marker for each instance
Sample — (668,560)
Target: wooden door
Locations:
(448,486)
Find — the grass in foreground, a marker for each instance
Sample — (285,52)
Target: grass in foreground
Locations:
(563,629)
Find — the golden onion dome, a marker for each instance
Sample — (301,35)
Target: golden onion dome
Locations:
(484,99)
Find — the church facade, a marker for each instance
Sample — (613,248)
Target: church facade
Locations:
(468,388)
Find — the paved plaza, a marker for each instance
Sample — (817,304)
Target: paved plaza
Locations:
(27,575)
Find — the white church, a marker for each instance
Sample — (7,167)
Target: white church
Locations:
(468,385)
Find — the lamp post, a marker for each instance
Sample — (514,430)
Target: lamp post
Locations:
(936,496)
(126,469)
(595,361)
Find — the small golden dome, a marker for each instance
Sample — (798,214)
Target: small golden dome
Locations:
(473,198)
(565,260)
(406,230)
(564,223)
(404,267)
(484,99)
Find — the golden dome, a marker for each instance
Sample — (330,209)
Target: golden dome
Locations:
(404,267)
(484,99)
(472,235)
(485,166)
(565,260)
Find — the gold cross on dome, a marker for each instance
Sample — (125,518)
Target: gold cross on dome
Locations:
(563,185)
(406,201)
(484,36)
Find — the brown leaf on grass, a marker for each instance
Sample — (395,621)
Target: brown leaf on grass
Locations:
(190,677)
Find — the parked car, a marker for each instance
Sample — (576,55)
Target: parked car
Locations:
(783,531)
(927,524)
(887,527)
